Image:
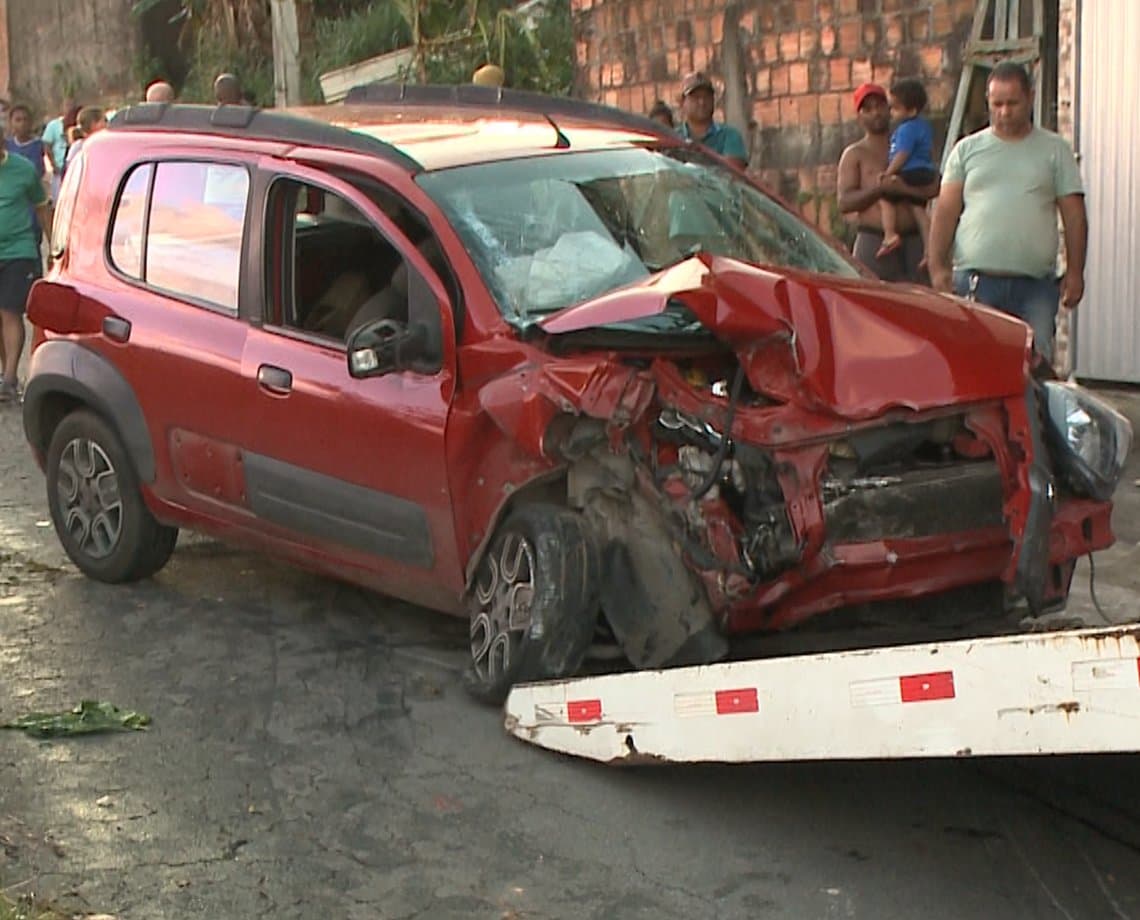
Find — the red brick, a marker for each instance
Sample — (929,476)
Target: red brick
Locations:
(849,113)
(871,33)
(701,58)
(789,46)
(787,111)
(763,79)
(883,74)
(807,109)
(769,49)
(717,29)
(860,71)
(831,108)
(893,31)
(839,73)
(798,78)
(780,80)
(827,39)
(918,26)
(610,97)
(941,19)
(804,10)
(848,7)
(850,37)
(940,95)
(766,112)
(931,57)
(809,41)
(702,32)
(825,10)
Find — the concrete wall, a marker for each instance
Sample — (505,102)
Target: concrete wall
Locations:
(88,46)
(786,67)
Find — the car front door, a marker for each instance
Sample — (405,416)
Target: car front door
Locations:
(352,473)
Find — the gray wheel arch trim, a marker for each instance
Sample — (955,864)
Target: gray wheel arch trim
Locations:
(69,369)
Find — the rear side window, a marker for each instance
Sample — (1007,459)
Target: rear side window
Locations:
(178,227)
(130,223)
(65,206)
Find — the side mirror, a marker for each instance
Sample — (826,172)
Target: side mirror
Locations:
(385,345)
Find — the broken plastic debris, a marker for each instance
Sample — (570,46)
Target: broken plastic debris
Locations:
(89,717)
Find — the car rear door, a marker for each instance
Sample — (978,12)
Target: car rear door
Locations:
(351,472)
(174,330)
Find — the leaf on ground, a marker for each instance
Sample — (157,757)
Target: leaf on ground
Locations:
(88,718)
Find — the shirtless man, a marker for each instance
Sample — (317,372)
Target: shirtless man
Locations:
(859,191)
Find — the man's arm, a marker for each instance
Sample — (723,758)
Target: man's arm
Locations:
(947,211)
(1075,221)
(851,198)
(45,214)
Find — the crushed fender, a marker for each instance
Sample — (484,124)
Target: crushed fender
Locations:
(87,718)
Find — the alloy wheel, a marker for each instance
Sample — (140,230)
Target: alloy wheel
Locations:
(504,593)
(89,498)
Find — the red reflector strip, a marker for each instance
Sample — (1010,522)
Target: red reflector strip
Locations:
(920,688)
(1138,669)
(733,701)
(583,711)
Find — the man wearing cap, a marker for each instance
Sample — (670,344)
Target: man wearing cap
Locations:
(697,122)
(859,189)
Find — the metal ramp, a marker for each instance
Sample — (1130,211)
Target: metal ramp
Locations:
(1049,693)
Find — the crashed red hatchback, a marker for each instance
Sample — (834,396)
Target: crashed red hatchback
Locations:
(534,361)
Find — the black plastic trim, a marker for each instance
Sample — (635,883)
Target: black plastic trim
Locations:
(254,124)
(67,368)
(337,511)
(1033,560)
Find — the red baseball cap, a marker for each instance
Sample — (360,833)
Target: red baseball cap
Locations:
(868,89)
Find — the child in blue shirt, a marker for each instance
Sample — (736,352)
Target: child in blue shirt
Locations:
(911,159)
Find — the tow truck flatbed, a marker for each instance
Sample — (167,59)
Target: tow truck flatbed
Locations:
(1064,692)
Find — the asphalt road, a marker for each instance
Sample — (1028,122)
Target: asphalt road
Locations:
(313,755)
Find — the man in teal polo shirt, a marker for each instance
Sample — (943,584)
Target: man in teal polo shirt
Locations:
(20,192)
(697,122)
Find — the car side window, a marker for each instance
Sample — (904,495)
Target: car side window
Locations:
(181,229)
(330,270)
(130,222)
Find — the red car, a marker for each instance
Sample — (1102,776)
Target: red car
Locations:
(536,362)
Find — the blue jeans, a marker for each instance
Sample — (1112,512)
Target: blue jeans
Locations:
(1032,300)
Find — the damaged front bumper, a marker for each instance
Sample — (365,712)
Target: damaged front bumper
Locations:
(792,514)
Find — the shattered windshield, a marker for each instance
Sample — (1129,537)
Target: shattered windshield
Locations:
(550,232)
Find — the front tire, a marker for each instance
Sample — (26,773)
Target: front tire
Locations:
(532,604)
(96,506)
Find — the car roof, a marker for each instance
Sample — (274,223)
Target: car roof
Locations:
(441,139)
(419,127)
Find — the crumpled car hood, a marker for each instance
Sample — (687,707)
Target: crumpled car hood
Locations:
(852,346)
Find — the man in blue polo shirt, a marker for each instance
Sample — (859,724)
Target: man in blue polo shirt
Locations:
(697,121)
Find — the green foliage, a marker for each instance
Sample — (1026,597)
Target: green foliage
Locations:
(87,718)
(536,52)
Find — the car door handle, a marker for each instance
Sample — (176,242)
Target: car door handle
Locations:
(116,328)
(274,379)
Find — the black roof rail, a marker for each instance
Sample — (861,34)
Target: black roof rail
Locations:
(484,97)
(255,124)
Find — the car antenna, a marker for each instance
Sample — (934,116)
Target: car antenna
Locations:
(562,141)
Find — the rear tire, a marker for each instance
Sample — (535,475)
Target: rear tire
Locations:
(532,604)
(96,506)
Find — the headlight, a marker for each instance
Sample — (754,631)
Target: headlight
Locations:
(1089,438)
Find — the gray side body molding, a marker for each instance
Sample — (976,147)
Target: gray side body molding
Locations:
(337,511)
(67,368)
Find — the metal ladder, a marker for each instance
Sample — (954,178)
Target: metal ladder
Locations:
(1003,30)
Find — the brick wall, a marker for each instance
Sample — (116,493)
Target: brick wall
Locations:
(792,66)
